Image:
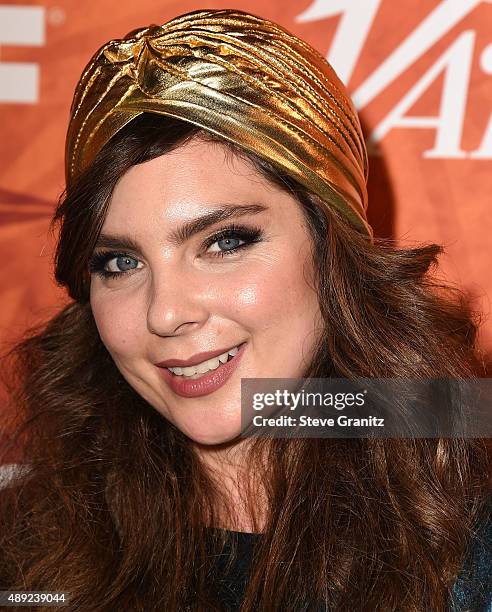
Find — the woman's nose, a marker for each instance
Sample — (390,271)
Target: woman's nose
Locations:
(176,303)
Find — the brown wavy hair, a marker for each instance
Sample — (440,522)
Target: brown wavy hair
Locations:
(115,504)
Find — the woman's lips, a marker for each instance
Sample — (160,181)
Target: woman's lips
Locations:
(206,384)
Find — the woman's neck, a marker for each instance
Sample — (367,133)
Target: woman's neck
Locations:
(229,466)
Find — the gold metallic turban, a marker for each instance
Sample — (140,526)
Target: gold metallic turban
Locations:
(241,77)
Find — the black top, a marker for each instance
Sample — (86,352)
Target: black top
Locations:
(472,590)
(231,584)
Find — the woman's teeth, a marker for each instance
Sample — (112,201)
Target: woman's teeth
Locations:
(197,370)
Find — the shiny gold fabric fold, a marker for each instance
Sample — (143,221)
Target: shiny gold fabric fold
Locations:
(241,77)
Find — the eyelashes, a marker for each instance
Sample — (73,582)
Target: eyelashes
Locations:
(98,261)
(247,235)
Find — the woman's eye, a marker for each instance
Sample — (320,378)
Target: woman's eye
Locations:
(112,265)
(226,244)
(121,264)
(232,239)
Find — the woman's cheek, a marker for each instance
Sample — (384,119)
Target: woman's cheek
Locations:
(262,296)
(119,323)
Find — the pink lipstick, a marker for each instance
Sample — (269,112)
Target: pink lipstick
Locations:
(206,384)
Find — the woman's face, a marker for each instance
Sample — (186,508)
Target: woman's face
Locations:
(172,280)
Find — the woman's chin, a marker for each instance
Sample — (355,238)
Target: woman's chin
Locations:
(209,436)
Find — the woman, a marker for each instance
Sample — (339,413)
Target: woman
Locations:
(215,216)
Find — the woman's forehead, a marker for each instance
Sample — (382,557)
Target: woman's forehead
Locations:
(189,179)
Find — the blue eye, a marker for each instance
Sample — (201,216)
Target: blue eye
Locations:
(230,239)
(228,243)
(110,264)
(122,263)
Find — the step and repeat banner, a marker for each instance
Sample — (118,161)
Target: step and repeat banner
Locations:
(419,71)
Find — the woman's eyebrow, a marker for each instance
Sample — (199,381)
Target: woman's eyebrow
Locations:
(184,232)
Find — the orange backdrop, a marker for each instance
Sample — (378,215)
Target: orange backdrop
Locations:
(420,74)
